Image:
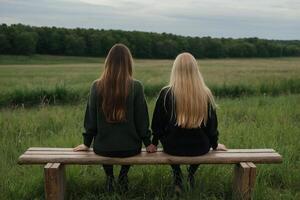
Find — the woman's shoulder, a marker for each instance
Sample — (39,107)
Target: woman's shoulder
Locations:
(138,85)
(137,88)
(95,83)
(164,90)
(137,82)
(163,94)
(93,87)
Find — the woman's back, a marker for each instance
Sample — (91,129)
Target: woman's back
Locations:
(119,136)
(177,140)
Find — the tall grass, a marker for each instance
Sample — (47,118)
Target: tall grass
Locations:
(61,94)
(40,96)
(289,86)
(77,75)
(248,122)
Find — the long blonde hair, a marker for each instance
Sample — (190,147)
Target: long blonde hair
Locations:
(190,94)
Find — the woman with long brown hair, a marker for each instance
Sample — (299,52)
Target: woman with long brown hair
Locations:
(116,118)
(184,118)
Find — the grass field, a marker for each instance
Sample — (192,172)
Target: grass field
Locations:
(26,83)
(261,121)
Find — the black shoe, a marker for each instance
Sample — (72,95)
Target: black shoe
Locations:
(191,181)
(178,189)
(123,183)
(178,186)
(109,184)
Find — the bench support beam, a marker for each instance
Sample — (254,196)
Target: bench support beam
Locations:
(54,181)
(244,180)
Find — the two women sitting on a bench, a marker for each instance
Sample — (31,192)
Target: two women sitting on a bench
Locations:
(117,122)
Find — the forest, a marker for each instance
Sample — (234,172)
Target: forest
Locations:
(19,39)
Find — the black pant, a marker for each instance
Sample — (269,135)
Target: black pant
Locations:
(178,174)
(109,169)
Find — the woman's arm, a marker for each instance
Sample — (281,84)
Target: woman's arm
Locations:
(90,124)
(141,117)
(90,121)
(211,128)
(159,118)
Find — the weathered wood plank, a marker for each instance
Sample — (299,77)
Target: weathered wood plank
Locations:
(59,153)
(241,181)
(154,158)
(48,165)
(252,177)
(54,181)
(159,149)
(92,153)
(244,180)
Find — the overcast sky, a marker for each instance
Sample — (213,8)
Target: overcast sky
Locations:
(272,19)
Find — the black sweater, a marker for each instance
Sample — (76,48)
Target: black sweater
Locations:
(182,141)
(122,136)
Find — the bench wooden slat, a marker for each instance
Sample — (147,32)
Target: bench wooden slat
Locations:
(51,149)
(154,158)
(92,153)
(159,149)
(59,153)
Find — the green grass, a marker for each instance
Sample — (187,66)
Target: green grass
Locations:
(265,113)
(40,82)
(62,94)
(250,122)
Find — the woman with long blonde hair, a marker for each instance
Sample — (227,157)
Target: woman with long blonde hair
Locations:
(116,117)
(184,118)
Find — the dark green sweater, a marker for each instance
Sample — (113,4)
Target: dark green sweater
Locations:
(122,136)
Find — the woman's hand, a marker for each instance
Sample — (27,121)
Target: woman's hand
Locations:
(81,147)
(221,147)
(151,148)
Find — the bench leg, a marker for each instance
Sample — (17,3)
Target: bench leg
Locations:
(244,180)
(54,181)
(252,177)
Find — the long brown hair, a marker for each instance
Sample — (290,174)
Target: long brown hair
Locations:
(115,82)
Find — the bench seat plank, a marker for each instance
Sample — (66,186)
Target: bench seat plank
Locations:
(159,149)
(67,156)
(92,153)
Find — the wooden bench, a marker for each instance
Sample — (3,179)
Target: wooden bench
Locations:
(55,160)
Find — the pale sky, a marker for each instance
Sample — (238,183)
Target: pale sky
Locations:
(271,19)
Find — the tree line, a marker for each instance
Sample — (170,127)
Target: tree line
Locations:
(19,39)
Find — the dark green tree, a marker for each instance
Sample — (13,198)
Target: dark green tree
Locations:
(74,45)
(5,46)
(25,43)
(95,45)
(26,40)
